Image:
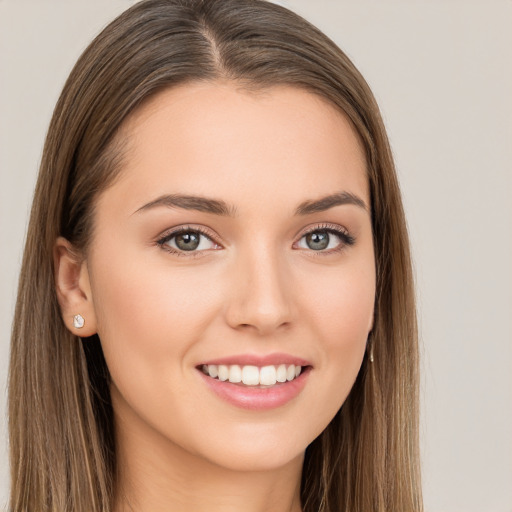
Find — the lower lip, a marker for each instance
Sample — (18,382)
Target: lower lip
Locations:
(256,398)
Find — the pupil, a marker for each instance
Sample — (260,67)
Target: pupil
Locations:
(318,240)
(187,241)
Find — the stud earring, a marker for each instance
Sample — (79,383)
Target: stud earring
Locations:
(78,321)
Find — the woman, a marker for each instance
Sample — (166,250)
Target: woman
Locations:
(216,306)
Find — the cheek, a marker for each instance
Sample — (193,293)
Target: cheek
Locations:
(148,317)
(341,302)
(340,313)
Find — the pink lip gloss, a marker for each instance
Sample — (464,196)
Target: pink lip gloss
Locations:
(254,395)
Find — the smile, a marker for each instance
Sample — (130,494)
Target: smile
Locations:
(250,375)
(257,383)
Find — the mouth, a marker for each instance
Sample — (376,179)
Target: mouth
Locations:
(255,383)
(253,376)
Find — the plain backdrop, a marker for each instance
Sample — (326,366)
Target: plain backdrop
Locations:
(442,73)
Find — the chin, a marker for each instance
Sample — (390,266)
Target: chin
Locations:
(251,461)
(257,450)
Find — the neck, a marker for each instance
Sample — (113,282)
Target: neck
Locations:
(157,475)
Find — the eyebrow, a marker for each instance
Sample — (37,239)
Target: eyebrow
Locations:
(219,207)
(330,201)
(185,202)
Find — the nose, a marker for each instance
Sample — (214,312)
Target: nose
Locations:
(261,294)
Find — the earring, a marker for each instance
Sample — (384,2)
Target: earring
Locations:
(78,321)
(369,348)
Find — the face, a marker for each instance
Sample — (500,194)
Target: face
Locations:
(236,244)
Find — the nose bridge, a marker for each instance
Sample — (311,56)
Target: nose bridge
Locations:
(261,297)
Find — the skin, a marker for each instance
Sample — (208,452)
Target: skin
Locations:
(256,289)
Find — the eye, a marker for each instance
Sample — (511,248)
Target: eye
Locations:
(187,240)
(325,239)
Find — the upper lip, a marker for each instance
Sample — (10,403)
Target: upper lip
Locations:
(260,360)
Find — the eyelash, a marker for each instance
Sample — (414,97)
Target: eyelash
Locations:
(162,242)
(346,240)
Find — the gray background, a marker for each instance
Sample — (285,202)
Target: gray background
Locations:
(442,73)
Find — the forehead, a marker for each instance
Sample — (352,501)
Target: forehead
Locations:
(216,139)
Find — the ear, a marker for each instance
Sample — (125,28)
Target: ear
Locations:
(73,288)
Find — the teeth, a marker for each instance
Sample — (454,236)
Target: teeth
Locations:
(281,373)
(253,375)
(235,373)
(223,372)
(250,375)
(268,375)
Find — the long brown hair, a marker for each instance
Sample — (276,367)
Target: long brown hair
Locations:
(62,445)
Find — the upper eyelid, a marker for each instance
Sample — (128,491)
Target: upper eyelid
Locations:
(322,226)
(163,239)
(341,232)
(207,232)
